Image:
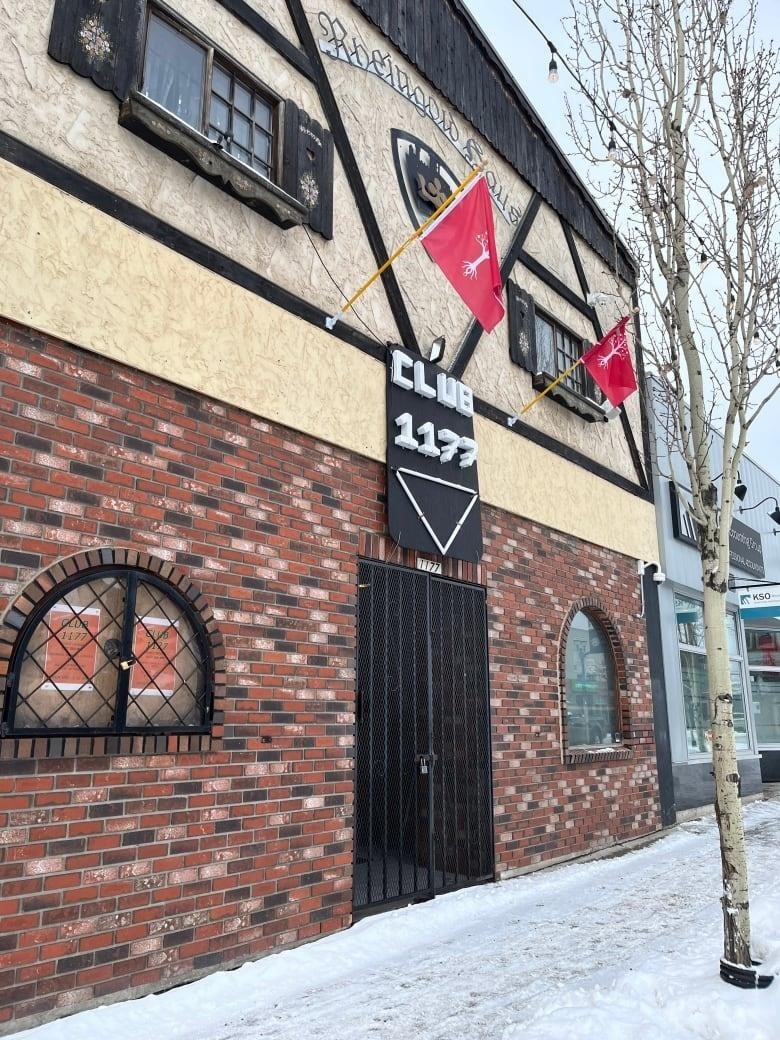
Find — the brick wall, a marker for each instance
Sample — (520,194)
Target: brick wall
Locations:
(548,805)
(128,871)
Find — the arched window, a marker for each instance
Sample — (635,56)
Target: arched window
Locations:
(591,694)
(111,650)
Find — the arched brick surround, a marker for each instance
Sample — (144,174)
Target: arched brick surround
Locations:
(596,610)
(85,563)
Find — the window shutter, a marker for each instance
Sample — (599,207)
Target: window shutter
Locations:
(307,167)
(522,327)
(99,40)
(591,390)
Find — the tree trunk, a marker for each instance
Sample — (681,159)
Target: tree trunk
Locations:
(728,803)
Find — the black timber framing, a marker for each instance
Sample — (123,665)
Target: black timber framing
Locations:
(474,334)
(354,177)
(646,411)
(75,184)
(561,288)
(642,471)
(442,40)
(559,448)
(250,17)
(576,259)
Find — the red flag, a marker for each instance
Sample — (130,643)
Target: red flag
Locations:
(609,362)
(463,243)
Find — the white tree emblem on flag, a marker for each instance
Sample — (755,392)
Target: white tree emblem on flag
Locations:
(470,266)
(618,350)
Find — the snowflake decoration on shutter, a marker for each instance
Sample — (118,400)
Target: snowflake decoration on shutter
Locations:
(310,192)
(95,40)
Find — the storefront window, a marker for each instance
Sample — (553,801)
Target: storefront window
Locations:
(591,692)
(763,648)
(693,665)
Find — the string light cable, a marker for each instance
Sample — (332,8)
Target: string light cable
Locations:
(338,288)
(600,109)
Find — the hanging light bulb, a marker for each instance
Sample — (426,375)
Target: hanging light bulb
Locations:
(612,148)
(552,68)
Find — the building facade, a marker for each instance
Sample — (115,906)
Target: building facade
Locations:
(261,673)
(753,626)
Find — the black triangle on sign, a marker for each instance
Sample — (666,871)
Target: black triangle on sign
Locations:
(425,494)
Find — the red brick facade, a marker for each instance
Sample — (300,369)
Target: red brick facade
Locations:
(131,867)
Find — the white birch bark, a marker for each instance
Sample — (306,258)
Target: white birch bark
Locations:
(728,805)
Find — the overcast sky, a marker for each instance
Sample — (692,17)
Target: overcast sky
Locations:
(527,56)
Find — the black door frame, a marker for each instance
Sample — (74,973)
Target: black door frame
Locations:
(479,828)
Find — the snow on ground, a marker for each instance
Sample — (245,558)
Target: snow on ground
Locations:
(625,948)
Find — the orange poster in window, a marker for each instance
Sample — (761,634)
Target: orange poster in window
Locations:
(155,645)
(71,649)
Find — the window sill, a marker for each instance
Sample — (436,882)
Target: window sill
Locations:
(160,128)
(583,406)
(87,745)
(588,756)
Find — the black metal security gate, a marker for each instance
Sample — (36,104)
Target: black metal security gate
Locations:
(423,805)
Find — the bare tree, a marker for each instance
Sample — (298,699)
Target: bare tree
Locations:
(685,100)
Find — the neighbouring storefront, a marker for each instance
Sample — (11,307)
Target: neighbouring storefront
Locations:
(760,612)
(752,628)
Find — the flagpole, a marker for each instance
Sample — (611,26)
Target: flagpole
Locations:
(551,386)
(331,322)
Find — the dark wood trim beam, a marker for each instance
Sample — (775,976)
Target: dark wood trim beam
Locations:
(554,283)
(474,334)
(560,449)
(574,253)
(250,17)
(354,176)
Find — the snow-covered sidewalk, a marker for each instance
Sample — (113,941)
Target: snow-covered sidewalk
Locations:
(625,947)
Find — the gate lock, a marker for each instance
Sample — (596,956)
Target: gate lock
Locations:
(425,762)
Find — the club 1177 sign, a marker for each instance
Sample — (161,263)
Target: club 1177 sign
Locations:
(432,489)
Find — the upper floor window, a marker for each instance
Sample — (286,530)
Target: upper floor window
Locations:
(591,694)
(116,650)
(545,348)
(564,349)
(196,84)
(185,97)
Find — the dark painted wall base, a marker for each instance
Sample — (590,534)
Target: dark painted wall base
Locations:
(694,787)
(770,767)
